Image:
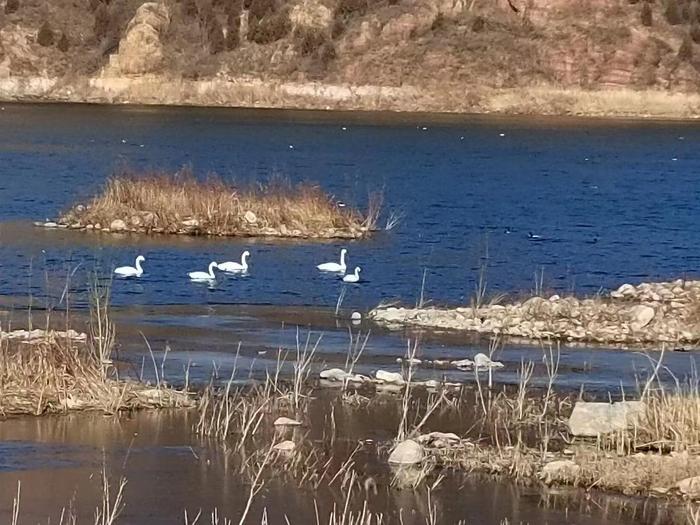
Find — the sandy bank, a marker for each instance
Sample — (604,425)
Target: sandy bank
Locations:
(250,92)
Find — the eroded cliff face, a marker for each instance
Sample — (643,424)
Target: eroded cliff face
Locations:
(428,51)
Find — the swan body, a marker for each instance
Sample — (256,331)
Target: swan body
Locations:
(352,277)
(234,266)
(131,271)
(204,276)
(333,266)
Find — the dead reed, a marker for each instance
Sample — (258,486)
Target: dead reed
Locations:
(61,371)
(180,203)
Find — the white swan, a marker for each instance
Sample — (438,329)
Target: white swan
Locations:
(131,271)
(352,277)
(333,266)
(204,276)
(234,266)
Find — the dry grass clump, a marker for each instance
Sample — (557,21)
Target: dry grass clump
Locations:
(45,371)
(57,374)
(179,203)
(671,422)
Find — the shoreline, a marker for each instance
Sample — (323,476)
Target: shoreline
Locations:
(451,101)
(662,313)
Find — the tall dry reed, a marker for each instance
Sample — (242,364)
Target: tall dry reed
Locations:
(181,203)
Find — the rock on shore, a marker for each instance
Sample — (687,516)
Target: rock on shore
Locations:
(649,313)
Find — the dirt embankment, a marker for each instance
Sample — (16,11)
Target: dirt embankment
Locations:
(583,57)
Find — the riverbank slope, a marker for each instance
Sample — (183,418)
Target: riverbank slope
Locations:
(548,57)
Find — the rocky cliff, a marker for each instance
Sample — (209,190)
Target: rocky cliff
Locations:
(595,57)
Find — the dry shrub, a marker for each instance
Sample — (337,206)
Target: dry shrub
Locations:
(671,421)
(56,374)
(103,20)
(685,52)
(11,6)
(270,28)
(695,33)
(261,8)
(215,35)
(673,12)
(163,201)
(646,15)
(63,43)
(309,40)
(45,36)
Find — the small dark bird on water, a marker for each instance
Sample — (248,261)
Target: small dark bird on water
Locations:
(534,236)
(507,230)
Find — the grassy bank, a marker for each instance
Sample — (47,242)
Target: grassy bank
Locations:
(180,203)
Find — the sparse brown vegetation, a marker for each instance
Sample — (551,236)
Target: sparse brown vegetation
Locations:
(646,15)
(180,203)
(45,36)
(11,6)
(673,12)
(45,371)
(63,43)
(685,52)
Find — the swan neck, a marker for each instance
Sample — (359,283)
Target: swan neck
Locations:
(138,265)
(243,260)
(211,269)
(342,259)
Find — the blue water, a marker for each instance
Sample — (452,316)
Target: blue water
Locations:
(613,201)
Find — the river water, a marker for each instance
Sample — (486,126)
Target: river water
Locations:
(612,202)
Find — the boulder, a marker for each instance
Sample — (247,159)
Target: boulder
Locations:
(439,439)
(626,290)
(286,422)
(336,374)
(463,364)
(141,49)
(285,446)
(689,487)
(390,377)
(484,361)
(640,315)
(562,471)
(311,14)
(117,225)
(407,452)
(595,419)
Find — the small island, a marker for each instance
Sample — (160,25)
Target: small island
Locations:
(180,203)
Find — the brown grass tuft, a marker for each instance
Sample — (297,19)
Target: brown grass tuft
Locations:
(179,203)
(56,374)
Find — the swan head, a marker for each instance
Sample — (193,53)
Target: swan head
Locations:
(358,269)
(140,258)
(344,251)
(246,254)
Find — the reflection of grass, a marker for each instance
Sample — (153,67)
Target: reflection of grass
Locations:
(180,203)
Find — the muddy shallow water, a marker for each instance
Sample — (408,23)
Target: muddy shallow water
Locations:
(203,341)
(169,470)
